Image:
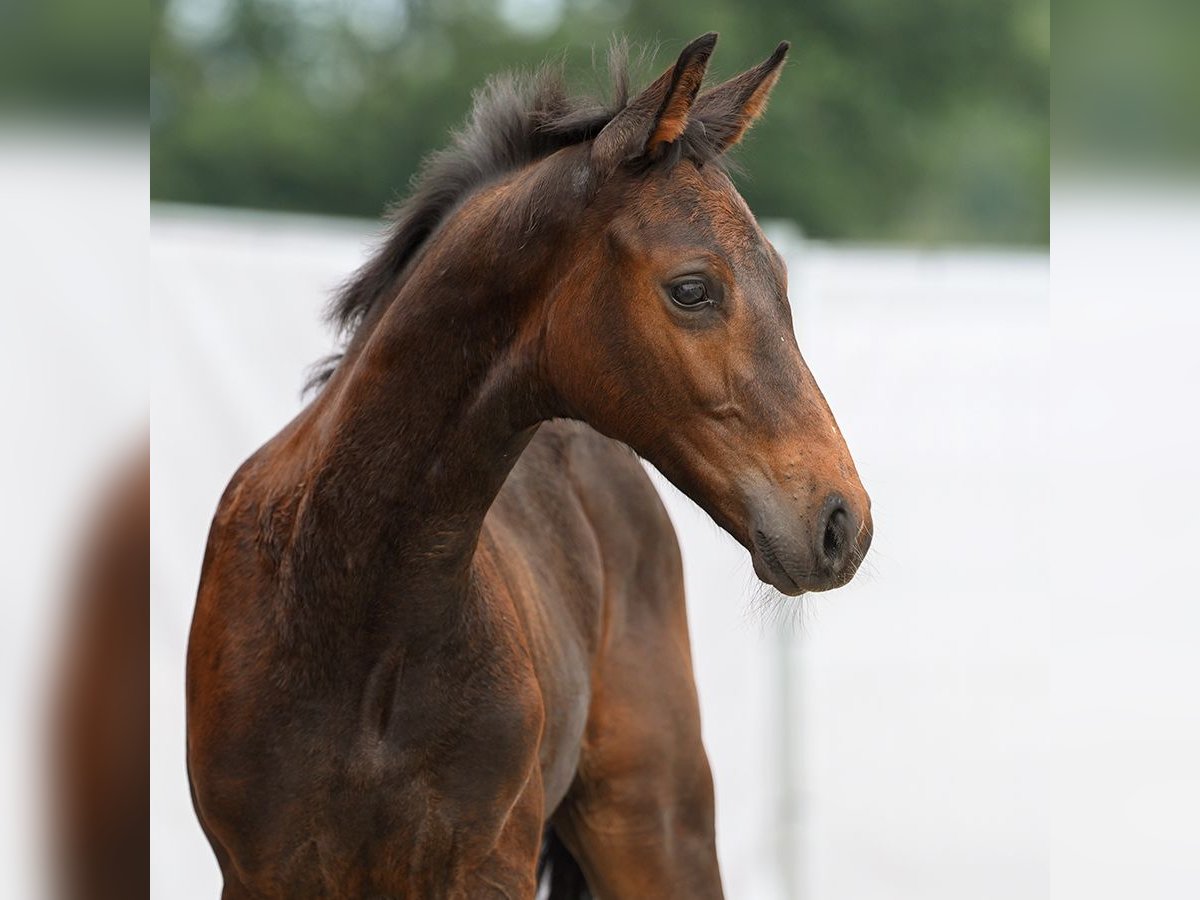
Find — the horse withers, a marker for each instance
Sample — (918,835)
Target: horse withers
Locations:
(441,617)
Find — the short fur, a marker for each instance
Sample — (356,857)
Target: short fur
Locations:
(440,632)
(515,120)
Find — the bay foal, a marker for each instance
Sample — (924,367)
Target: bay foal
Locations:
(442,611)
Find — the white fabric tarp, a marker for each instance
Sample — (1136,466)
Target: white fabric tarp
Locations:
(907,712)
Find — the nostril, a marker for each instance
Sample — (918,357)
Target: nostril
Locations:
(836,538)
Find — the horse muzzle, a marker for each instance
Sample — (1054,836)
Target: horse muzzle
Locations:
(800,553)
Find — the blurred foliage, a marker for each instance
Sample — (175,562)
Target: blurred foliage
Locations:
(922,122)
(74,56)
(1127,85)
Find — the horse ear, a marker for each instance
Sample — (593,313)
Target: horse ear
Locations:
(729,109)
(657,116)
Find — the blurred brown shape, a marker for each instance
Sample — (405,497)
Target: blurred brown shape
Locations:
(101,714)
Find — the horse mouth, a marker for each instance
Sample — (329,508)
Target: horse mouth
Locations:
(769,569)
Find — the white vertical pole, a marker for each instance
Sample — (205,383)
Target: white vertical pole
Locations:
(790,807)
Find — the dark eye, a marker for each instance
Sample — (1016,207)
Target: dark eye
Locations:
(690,293)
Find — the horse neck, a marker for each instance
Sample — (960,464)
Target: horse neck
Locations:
(417,431)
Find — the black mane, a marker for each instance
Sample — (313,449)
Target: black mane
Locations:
(515,120)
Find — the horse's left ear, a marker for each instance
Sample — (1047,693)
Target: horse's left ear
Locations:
(657,116)
(728,110)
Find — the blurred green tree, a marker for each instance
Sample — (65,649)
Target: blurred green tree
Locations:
(922,122)
(73,56)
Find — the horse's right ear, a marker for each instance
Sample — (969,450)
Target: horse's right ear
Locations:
(658,116)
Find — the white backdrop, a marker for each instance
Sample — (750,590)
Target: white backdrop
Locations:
(74,325)
(912,758)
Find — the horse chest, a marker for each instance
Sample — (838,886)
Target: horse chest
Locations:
(466,723)
(402,809)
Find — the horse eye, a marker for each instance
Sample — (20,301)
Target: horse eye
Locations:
(689,294)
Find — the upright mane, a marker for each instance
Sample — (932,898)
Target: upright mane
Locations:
(515,120)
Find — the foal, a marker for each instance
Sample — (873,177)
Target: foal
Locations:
(431,627)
